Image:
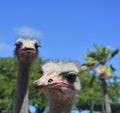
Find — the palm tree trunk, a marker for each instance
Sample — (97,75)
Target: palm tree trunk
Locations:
(106,103)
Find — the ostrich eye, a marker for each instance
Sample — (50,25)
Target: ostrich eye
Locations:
(18,44)
(37,45)
(71,77)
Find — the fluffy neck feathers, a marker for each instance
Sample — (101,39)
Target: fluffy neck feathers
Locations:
(61,106)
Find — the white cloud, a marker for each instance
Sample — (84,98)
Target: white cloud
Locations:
(5,47)
(28,32)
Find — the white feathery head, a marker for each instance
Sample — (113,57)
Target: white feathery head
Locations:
(26,49)
(53,72)
(26,42)
(60,67)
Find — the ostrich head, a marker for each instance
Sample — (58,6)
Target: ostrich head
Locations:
(59,81)
(26,49)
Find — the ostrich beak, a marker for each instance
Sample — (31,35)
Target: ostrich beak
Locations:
(50,80)
(45,80)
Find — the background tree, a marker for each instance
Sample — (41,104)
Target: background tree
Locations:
(7,80)
(98,58)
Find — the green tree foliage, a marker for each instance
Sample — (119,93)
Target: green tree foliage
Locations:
(7,80)
(88,93)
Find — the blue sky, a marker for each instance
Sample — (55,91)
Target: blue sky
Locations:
(66,28)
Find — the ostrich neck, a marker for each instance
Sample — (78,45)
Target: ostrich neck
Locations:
(22,88)
(61,106)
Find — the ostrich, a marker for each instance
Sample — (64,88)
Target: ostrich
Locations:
(26,51)
(60,84)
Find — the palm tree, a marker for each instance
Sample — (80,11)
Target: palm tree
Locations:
(97,59)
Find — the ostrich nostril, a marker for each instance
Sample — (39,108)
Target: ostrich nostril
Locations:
(50,80)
